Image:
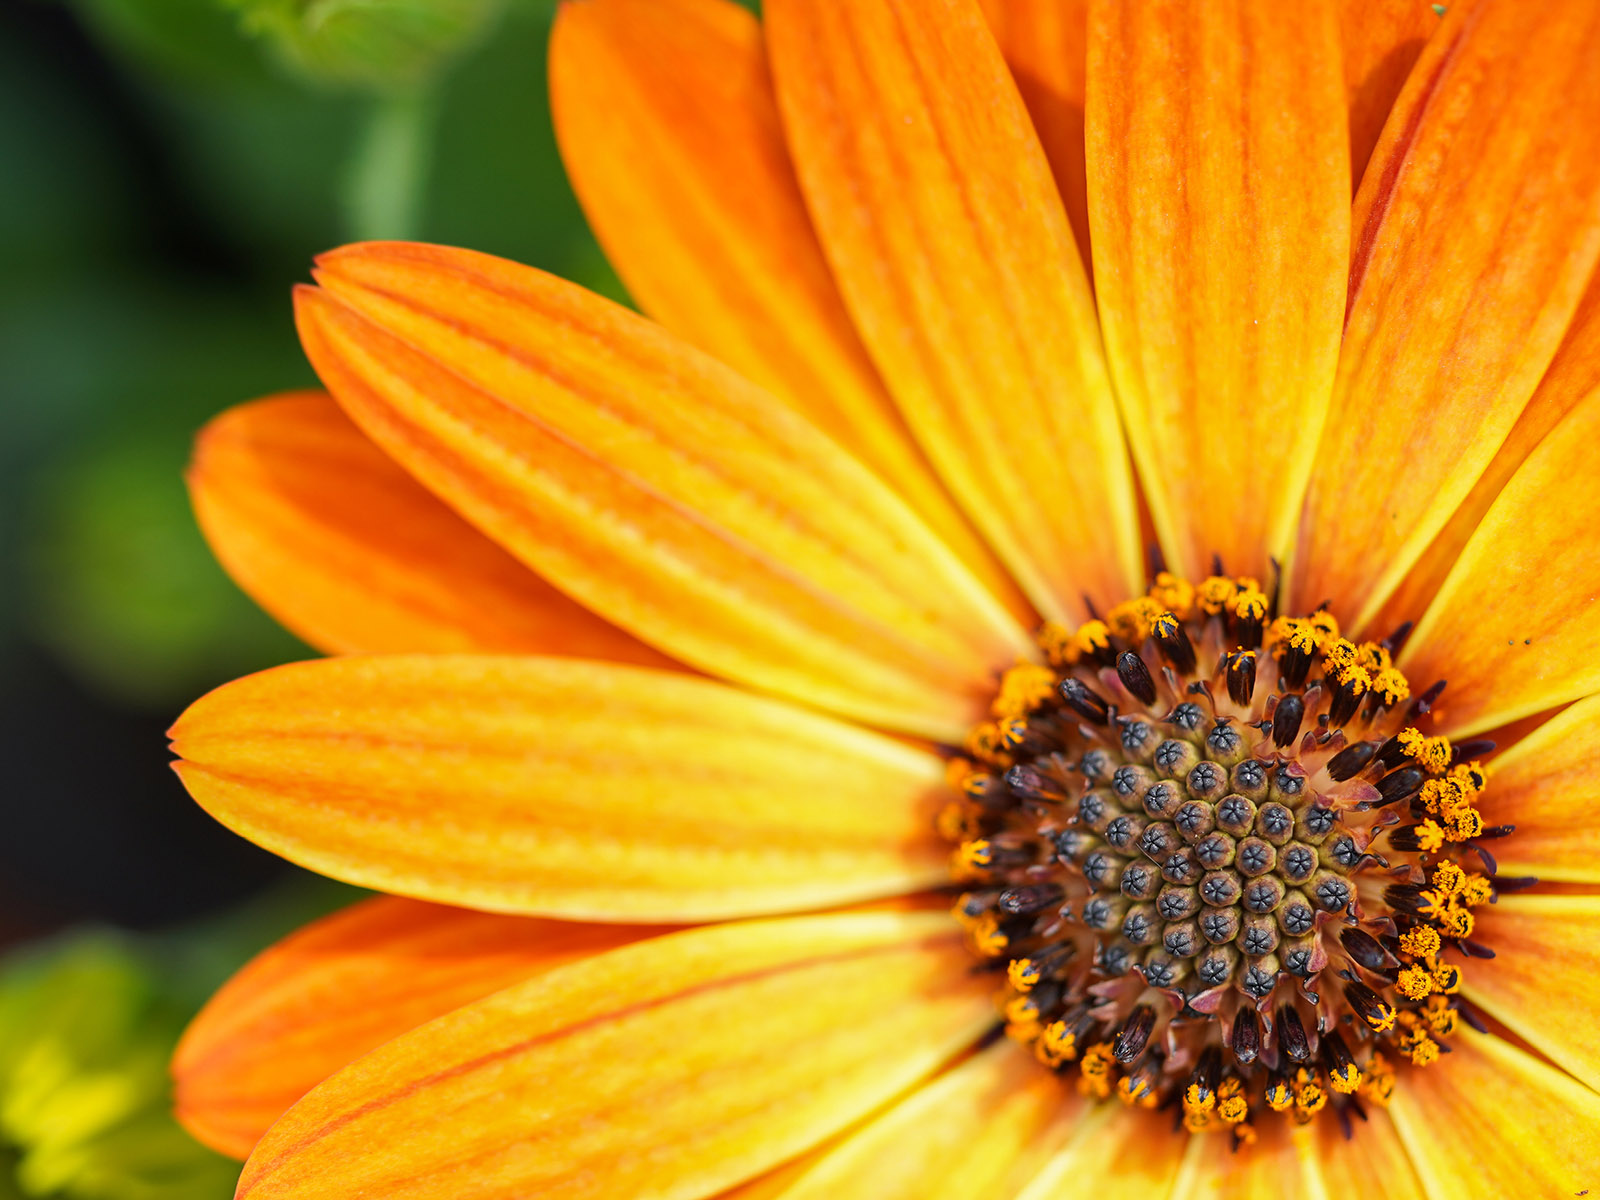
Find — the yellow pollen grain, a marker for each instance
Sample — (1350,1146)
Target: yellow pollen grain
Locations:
(1456,922)
(1423,941)
(1214,593)
(1250,605)
(1174,593)
(1278,1096)
(1058,643)
(987,939)
(1324,626)
(1392,684)
(1232,1107)
(1023,974)
(1440,1017)
(1345,1079)
(1415,983)
(1446,978)
(1133,620)
(1136,1091)
(1429,836)
(1095,1071)
(1378,1086)
(1464,825)
(1476,890)
(1199,1099)
(1432,754)
(1056,1045)
(1381,1021)
(1448,877)
(1093,637)
(1024,689)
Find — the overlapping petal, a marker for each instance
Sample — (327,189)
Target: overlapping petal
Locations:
(1475,230)
(1546,785)
(1515,627)
(1493,1120)
(978,1132)
(1281,1163)
(563,788)
(1046,45)
(936,208)
(326,995)
(1219,194)
(670,133)
(674,1067)
(654,485)
(1369,1160)
(349,552)
(1130,1154)
(1541,984)
(1382,40)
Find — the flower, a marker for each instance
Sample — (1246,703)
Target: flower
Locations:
(837,592)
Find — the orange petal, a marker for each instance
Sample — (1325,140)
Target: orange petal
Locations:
(978,1132)
(1046,45)
(654,485)
(1370,1161)
(1545,785)
(324,996)
(1281,1163)
(561,787)
(1541,981)
(350,553)
(1515,627)
(1382,39)
(669,130)
(1115,1153)
(672,1067)
(1475,230)
(936,207)
(1491,1120)
(1574,374)
(1219,190)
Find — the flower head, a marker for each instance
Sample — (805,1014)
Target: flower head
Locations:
(818,604)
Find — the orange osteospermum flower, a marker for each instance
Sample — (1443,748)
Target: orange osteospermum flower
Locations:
(687,660)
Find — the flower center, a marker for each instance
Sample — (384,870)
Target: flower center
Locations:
(1218,861)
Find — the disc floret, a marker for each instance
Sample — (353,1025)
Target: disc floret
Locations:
(1221,865)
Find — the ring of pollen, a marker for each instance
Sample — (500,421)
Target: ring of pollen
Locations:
(1222,868)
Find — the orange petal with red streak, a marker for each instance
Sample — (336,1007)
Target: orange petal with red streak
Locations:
(325,995)
(560,787)
(654,485)
(1475,231)
(937,210)
(1219,190)
(1491,1120)
(1382,40)
(670,132)
(1541,981)
(677,1066)
(1515,627)
(350,553)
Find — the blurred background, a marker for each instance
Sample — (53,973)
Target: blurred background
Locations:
(167,170)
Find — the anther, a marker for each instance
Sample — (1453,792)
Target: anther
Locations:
(1372,1008)
(1135,676)
(1245,1039)
(1030,783)
(1343,1073)
(1292,1035)
(1175,646)
(1400,785)
(1286,719)
(1364,948)
(1034,898)
(1351,761)
(1083,701)
(1241,676)
(1134,1034)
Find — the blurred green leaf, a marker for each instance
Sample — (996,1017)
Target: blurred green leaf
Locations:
(378,44)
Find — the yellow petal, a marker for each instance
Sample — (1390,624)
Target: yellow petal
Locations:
(1541,982)
(1545,785)
(350,553)
(561,787)
(325,995)
(936,207)
(1046,45)
(1219,191)
(674,1067)
(1475,230)
(978,1132)
(1281,1163)
(1515,627)
(1370,1161)
(1490,1120)
(1115,1153)
(655,486)
(670,132)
